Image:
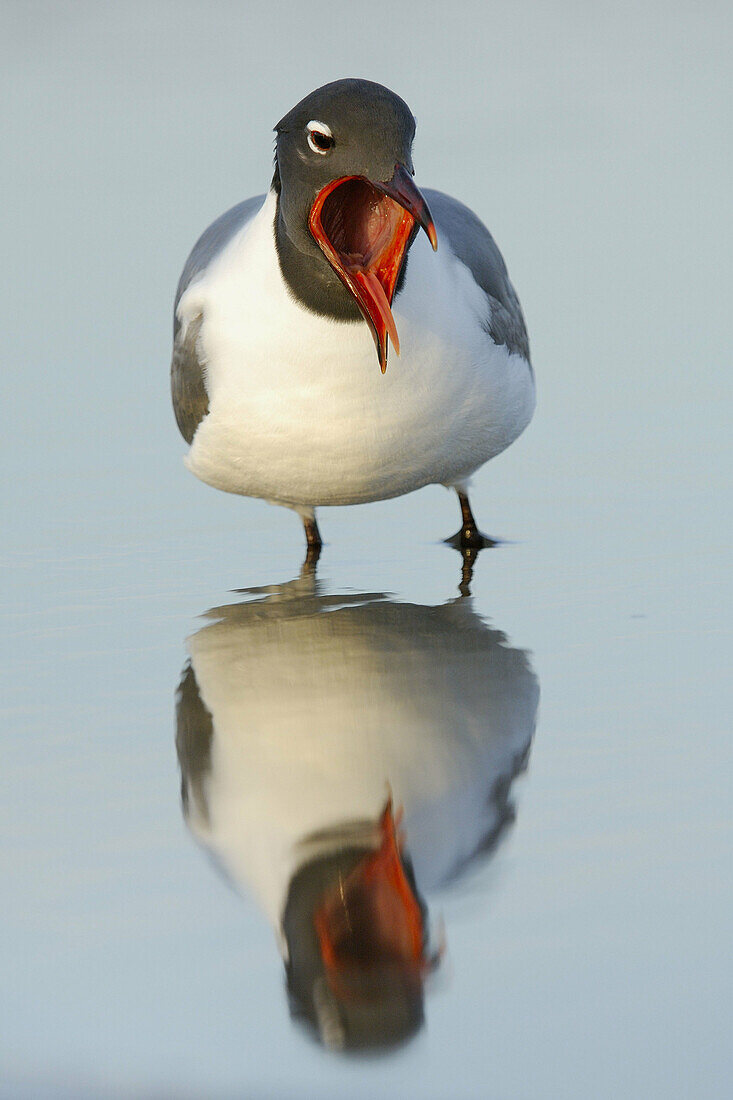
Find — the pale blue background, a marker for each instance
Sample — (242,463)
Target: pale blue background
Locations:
(591,956)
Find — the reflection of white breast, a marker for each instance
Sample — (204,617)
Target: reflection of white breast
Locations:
(315,712)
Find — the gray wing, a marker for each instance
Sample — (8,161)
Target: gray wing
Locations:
(474,246)
(194,736)
(188,387)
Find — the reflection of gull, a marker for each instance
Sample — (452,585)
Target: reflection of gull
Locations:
(298,712)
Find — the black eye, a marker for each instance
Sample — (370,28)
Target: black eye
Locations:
(320,137)
(321,141)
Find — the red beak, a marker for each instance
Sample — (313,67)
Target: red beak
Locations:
(372,919)
(403,190)
(364,230)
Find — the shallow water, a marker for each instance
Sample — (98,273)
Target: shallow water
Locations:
(559,739)
(591,925)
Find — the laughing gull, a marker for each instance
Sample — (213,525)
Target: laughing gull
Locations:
(273,376)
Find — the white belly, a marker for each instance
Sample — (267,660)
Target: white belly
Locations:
(299,412)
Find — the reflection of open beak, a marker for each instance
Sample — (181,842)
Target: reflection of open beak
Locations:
(371,923)
(364,229)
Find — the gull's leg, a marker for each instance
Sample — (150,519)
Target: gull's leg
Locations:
(312,538)
(468,559)
(469,537)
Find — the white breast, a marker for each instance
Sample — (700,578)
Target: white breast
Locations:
(299,412)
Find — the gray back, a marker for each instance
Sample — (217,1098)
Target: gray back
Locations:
(474,246)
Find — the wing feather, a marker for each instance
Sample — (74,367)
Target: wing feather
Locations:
(474,246)
(188,373)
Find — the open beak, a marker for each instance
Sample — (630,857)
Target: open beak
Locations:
(364,230)
(372,921)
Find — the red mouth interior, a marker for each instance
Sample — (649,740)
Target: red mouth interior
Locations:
(362,225)
(364,235)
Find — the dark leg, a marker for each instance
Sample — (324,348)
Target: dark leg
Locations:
(469,557)
(469,537)
(313,539)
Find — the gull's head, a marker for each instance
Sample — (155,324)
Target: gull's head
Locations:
(344,171)
(354,926)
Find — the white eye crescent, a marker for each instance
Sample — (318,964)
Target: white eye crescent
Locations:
(320,137)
